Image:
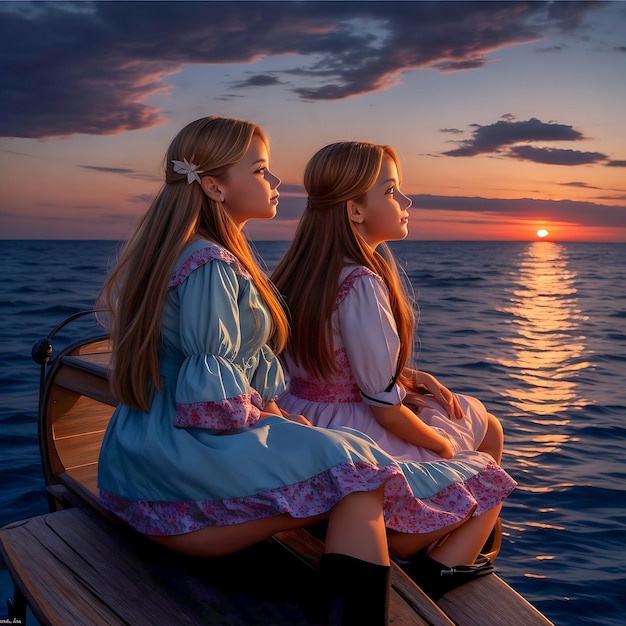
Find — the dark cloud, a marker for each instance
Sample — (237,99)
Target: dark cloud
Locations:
(504,133)
(228,97)
(580,185)
(457,66)
(124,171)
(88,67)
(613,198)
(556,156)
(569,211)
(114,170)
(258,80)
(509,138)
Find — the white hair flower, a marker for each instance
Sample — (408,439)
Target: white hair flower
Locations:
(190,169)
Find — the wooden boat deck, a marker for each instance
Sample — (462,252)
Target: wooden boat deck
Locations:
(82,566)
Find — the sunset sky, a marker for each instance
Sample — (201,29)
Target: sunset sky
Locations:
(509,116)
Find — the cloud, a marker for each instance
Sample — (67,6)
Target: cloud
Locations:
(114,170)
(580,185)
(504,133)
(89,67)
(569,211)
(124,171)
(556,156)
(508,138)
(258,80)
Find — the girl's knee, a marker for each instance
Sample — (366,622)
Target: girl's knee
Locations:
(493,441)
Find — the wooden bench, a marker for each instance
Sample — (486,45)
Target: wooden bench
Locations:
(80,565)
(73,567)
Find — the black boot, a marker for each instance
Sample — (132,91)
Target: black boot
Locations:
(358,590)
(436,579)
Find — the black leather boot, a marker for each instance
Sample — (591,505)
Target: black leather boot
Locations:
(436,579)
(358,590)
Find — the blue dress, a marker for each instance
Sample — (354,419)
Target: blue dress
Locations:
(202,456)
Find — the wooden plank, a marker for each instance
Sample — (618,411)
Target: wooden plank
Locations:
(118,579)
(94,348)
(417,599)
(489,601)
(84,415)
(85,494)
(90,384)
(79,450)
(74,568)
(85,476)
(46,583)
(95,362)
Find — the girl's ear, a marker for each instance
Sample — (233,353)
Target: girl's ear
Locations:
(355,212)
(211,188)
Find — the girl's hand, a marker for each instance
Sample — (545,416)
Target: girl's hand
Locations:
(440,393)
(404,423)
(271,408)
(299,419)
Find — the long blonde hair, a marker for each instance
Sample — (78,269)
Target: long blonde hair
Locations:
(135,290)
(308,275)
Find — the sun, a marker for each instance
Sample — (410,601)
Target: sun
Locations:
(542,232)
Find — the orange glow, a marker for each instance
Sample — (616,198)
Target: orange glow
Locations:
(548,340)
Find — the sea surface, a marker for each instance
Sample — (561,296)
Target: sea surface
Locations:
(537,331)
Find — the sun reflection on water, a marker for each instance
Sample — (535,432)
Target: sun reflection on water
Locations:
(548,345)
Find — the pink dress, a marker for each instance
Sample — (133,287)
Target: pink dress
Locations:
(366,352)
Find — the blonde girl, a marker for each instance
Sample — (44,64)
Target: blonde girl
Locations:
(196,456)
(352,328)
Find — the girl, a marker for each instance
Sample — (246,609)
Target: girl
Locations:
(197,456)
(352,323)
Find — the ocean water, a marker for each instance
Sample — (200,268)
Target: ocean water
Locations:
(537,331)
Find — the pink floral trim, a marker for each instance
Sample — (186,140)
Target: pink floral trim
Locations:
(310,497)
(317,495)
(482,492)
(200,258)
(347,284)
(341,389)
(228,414)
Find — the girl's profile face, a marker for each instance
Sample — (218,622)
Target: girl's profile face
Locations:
(383,215)
(251,190)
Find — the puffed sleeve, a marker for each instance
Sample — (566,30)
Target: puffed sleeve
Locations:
(371,340)
(212,390)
